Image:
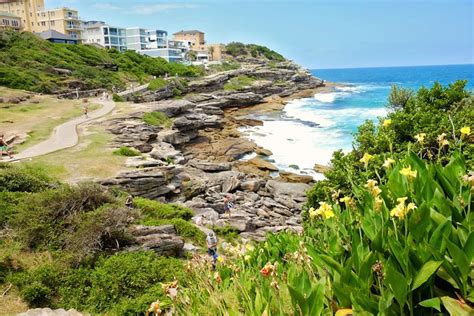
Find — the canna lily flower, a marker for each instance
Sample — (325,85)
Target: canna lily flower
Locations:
(407,172)
(247,258)
(220,259)
(154,308)
(386,123)
(267,269)
(217,277)
(388,163)
(312,213)
(378,204)
(366,158)
(344,312)
(420,138)
(249,247)
(346,200)
(466,130)
(325,210)
(442,141)
(373,188)
(401,210)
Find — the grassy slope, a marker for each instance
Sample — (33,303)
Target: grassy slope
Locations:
(28,62)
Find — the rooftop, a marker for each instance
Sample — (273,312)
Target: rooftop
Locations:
(55,34)
(188,32)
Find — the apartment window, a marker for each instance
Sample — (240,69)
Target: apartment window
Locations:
(52,23)
(43,23)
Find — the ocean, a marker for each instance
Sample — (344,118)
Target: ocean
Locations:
(309,130)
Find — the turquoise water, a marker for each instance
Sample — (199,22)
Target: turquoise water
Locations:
(309,130)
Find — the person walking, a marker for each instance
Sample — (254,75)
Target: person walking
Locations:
(228,203)
(86,110)
(4,148)
(211,241)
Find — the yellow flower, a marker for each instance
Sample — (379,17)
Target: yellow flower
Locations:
(386,123)
(249,247)
(378,204)
(373,188)
(401,210)
(366,158)
(324,210)
(466,130)
(407,172)
(312,213)
(388,163)
(344,312)
(346,200)
(442,141)
(220,259)
(247,258)
(420,137)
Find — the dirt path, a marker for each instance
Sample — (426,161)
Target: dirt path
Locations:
(65,135)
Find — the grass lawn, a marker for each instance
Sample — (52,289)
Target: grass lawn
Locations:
(91,159)
(36,117)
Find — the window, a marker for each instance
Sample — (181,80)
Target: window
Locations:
(43,23)
(52,22)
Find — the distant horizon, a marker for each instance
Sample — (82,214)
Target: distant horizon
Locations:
(403,66)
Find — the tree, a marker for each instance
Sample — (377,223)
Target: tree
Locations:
(399,97)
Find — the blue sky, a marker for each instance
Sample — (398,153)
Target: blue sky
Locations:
(314,33)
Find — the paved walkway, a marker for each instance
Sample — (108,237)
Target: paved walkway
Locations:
(65,135)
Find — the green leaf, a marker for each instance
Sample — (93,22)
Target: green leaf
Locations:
(397,283)
(433,303)
(428,269)
(419,222)
(456,308)
(469,247)
(459,258)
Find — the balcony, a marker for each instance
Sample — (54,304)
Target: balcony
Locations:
(74,27)
(72,18)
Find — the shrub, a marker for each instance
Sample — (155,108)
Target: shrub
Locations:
(157,119)
(26,178)
(127,152)
(157,84)
(117,98)
(236,49)
(157,210)
(183,228)
(239,83)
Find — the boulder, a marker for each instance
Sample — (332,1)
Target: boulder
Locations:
(210,166)
(252,185)
(263,152)
(295,190)
(51,312)
(295,178)
(321,168)
(263,164)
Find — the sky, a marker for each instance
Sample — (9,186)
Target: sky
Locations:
(314,33)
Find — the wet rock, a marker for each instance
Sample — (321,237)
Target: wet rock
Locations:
(263,152)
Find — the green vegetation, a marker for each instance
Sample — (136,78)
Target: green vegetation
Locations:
(117,98)
(157,84)
(390,232)
(59,244)
(239,83)
(30,63)
(127,152)
(225,66)
(157,119)
(239,49)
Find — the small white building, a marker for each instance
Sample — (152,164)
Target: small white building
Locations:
(99,33)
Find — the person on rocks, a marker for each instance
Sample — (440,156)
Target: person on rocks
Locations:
(4,148)
(129,201)
(228,203)
(211,241)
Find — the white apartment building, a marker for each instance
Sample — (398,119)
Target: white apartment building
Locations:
(99,33)
(136,38)
(156,39)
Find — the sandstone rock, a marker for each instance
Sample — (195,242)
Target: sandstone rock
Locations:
(51,312)
(295,178)
(190,249)
(321,168)
(263,164)
(252,185)
(230,184)
(263,152)
(295,190)
(142,230)
(210,166)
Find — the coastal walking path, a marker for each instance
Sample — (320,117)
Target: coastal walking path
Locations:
(65,135)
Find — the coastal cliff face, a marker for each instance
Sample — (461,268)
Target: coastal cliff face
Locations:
(197,158)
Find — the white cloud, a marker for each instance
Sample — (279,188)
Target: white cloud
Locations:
(154,8)
(106,6)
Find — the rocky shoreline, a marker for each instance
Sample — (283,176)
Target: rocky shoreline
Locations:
(197,160)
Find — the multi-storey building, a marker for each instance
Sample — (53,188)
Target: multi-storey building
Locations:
(62,20)
(10,21)
(136,38)
(99,33)
(156,39)
(27,10)
(194,39)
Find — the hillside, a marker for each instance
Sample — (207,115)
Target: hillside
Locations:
(31,63)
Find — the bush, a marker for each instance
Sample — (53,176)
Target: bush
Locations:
(157,84)
(239,83)
(117,278)
(185,229)
(127,152)
(157,119)
(117,98)
(157,210)
(25,178)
